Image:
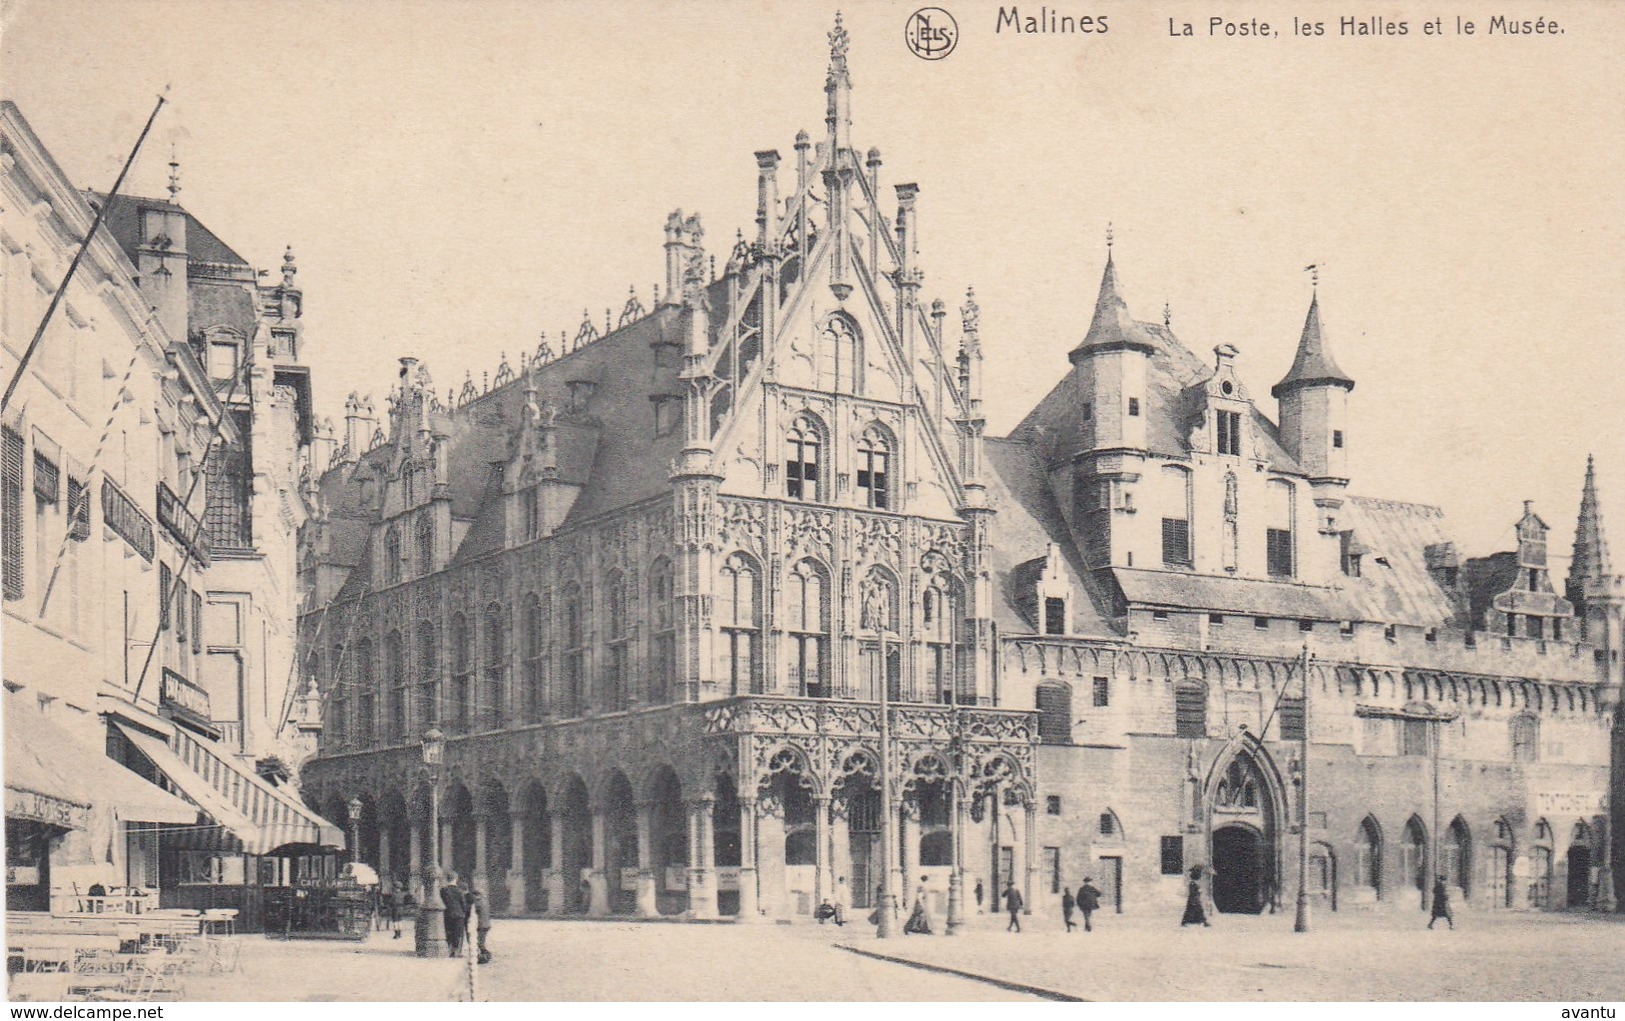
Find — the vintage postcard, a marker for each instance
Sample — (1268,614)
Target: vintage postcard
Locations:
(752,501)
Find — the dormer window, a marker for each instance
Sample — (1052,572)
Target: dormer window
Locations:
(1227,430)
(222,358)
(580,394)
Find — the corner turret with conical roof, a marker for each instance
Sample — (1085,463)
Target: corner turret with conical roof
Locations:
(1110,365)
(1313,399)
(1597,592)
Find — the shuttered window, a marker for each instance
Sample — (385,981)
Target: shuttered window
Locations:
(164,585)
(1229,430)
(1280,552)
(197,622)
(78,510)
(1173,856)
(1055,714)
(1190,711)
(11,492)
(1176,542)
(47,479)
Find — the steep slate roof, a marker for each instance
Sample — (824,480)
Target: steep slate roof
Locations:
(1399,589)
(124,223)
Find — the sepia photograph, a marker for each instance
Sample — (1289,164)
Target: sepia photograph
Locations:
(797,502)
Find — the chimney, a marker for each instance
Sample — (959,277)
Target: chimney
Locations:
(676,261)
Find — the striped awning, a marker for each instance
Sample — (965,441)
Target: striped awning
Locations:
(53,777)
(251,815)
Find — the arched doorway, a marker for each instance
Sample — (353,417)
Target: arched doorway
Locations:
(1242,869)
(728,844)
(668,837)
(457,818)
(620,845)
(1541,867)
(1245,809)
(575,852)
(1413,863)
(1501,857)
(857,797)
(1579,862)
(494,808)
(537,854)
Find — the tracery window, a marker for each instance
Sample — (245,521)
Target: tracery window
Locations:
(425,543)
(366,693)
(575,652)
(840,356)
(874,468)
(1238,790)
(462,683)
(494,692)
(663,617)
(428,675)
(739,613)
(807,621)
(802,447)
(535,624)
(392,555)
(395,678)
(942,624)
(616,677)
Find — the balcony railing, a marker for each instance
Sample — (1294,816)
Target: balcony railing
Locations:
(183,524)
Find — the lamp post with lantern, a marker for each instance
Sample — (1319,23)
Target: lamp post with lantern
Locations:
(355,830)
(430,932)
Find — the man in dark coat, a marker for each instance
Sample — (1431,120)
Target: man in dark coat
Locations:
(1088,902)
(1013,903)
(1441,904)
(979,896)
(451,895)
(1194,912)
(1067,903)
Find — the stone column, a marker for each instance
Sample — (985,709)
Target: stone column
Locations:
(648,905)
(555,868)
(414,859)
(702,875)
(911,854)
(448,839)
(823,886)
(598,878)
(840,860)
(386,867)
(482,868)
(1029,851)
(898,879)
(749,908)
(516,863)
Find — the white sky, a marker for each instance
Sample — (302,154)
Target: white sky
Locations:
(455,177)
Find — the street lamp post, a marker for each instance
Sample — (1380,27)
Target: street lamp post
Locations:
(888,823)
(956,834)
(355,830)
(1300,922)
(430,932)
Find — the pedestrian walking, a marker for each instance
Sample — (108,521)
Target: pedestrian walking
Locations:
(451,895)
(1067,904)
(1013,903)
(919,920)
(395,904)
(1194,915)
(1441,904)
(480,910)
(980,893)
(1088,902)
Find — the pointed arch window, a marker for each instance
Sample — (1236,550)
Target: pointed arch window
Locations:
(1414,853)
(874,468)
(533,629)
(739,613)
(392,555)
(663,615)
(575,652)
(1239,790)
(942,624)
(803,449)
(808,626)
(1368,856)
(1457,854)
(840,356)
(428,675)
(338,715)
(395,678)
(617,670)
(462,693)
(367,693)
(494,690)
(425,543)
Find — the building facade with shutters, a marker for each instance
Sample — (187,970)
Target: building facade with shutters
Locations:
(653,583)
(115,571)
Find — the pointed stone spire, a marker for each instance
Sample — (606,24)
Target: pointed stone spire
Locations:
(838,89)
(1313,365)
(1592,561)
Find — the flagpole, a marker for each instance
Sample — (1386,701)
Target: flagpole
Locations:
(78,256)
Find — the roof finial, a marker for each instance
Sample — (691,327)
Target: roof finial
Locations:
(1313,269)
(289,268)
(1167,315)
(838,43)
(174,173)
(1109,239)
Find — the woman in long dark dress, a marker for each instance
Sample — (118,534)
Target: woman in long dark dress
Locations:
(1194,915)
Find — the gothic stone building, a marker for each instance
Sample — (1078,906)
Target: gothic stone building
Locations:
(652,587)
